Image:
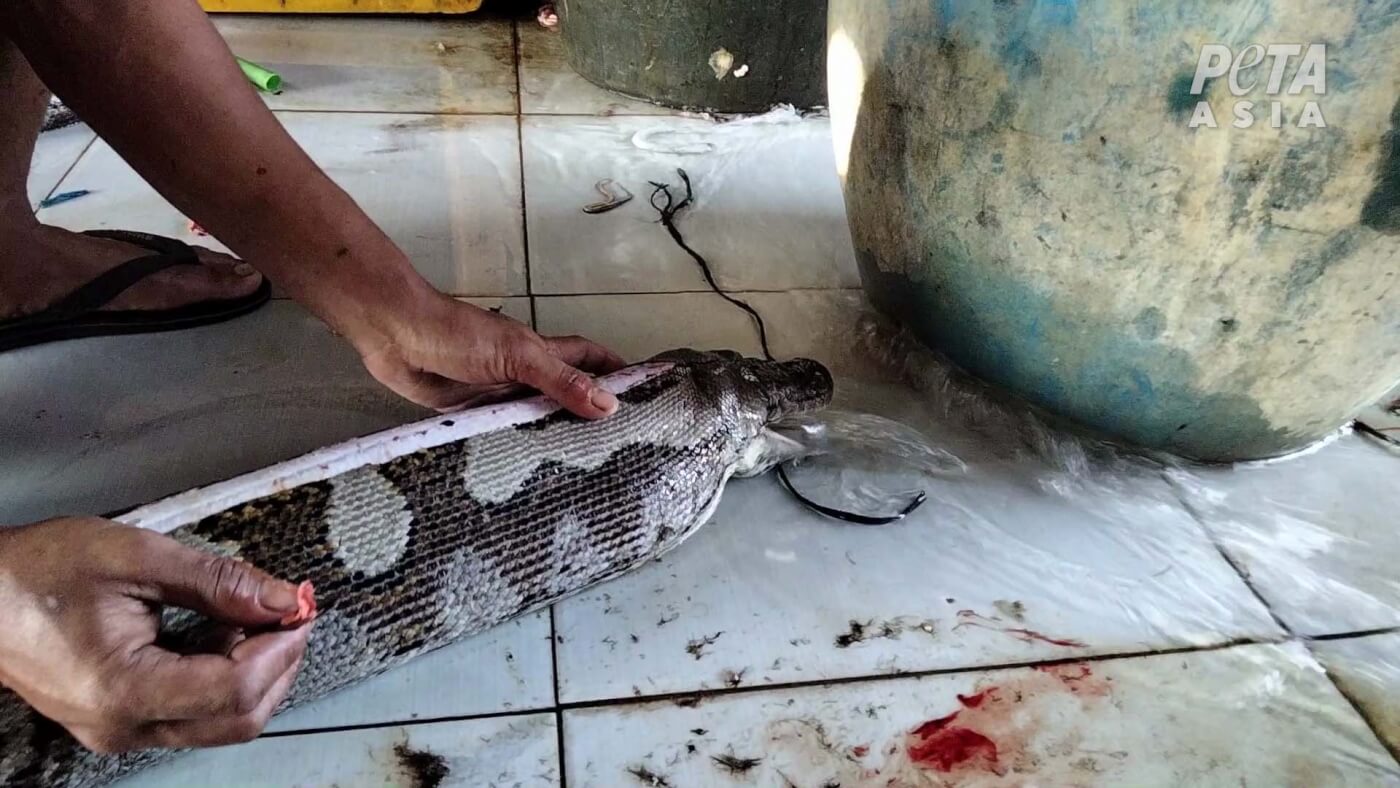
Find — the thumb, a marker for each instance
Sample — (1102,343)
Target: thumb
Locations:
(562,383)
(221,588)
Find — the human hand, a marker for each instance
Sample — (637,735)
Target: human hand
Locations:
(447,354)
(80,603)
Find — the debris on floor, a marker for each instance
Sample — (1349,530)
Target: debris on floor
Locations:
(425,769)
(615,195)
(59,199)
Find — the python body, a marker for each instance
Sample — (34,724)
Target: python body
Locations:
(423,535)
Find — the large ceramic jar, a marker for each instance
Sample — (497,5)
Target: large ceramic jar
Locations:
(719,56)
(1176,221)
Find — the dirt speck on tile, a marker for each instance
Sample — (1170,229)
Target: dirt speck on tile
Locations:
(646,776)
(424,768)
(735,765)
(881,630)
(696,647)
(1013,609)
(733,679)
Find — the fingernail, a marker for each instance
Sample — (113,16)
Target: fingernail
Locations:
(306,606)
(278,596)
(603,400)
(243,269)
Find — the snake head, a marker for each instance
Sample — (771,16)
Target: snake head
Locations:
(773,390)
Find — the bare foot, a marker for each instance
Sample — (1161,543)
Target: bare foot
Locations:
(44,264)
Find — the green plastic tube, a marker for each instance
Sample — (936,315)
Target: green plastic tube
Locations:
(265,79)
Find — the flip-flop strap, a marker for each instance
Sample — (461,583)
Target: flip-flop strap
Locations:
(100,291)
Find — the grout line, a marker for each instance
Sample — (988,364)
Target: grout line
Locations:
(1244,577)
(1357,634)
(364,726)
(701,695)
(69,171)
(520,153)
(559,734)
(534,325)
(468,114)
(1374,725)
(703,291)
(1225,554)
(814,290)
(704,694)
(334,111)
(554,656)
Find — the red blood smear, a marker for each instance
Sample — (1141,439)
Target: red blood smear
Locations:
(1060,671)
(934,726)
(860,750)
(973,701)
(1032,634)
(306,606)
(951,747)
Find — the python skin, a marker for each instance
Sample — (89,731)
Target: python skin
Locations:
(420,536)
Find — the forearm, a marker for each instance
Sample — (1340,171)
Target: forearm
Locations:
(155,79)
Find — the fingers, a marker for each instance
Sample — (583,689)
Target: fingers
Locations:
(585,354)
(576,391)
(443,394)
(224,589)
(220,731)
(159,685)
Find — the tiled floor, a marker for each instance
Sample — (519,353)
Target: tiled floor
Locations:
(1190,626)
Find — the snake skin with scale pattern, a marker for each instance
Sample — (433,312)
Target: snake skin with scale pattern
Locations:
(426,547)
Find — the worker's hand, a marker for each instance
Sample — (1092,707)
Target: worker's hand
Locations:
(447,354)
(80,603)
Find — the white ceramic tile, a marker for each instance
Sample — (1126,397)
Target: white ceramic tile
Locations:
(379,64)
(1316,534)
(1253,715)
(502,753)
(1368,670)
(768,213)
(445,188)
(639,326)
(54,152)
(549,87)
(508,668)
(1013,561)
(99,424)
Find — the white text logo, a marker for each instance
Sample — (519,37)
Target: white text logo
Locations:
(1257,65)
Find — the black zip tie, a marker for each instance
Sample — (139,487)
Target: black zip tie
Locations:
(668,212)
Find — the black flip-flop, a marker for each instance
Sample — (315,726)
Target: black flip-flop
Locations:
(79,314)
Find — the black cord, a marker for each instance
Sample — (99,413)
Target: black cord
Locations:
(668,220)
(1366,429)
(668,212)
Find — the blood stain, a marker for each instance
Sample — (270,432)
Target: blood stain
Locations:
(944,747)
(971,618)
(973,701)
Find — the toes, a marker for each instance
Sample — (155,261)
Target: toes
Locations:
(225,273)
(218,277)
